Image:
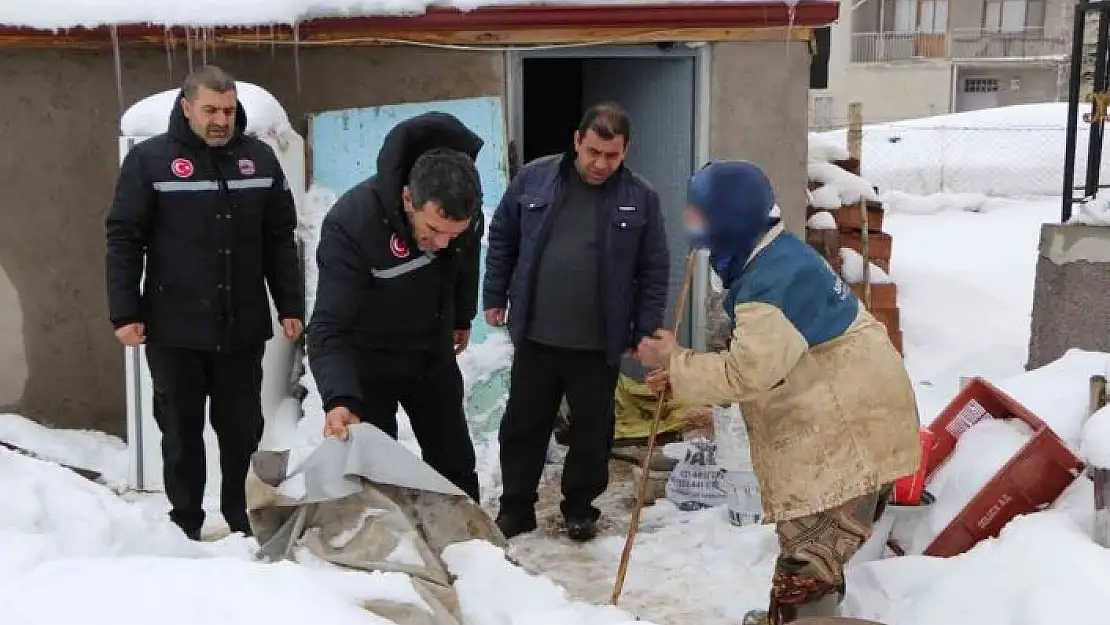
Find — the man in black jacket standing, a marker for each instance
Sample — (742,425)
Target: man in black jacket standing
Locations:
(398,289)
(577,267)
(209,210)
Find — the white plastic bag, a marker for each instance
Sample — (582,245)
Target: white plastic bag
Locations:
(745,500)
(733,450)
(698,481)
(734,454)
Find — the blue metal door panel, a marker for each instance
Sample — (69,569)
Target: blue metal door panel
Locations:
(658,94)
(345,146)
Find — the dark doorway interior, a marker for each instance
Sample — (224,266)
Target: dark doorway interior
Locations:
(552,102)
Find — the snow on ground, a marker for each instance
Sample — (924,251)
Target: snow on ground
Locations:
(63,14)
(965,291)
(73,551)
(1013,151)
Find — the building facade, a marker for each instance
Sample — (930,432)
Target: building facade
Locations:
(915,58)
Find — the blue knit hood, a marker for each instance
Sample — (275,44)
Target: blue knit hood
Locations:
(737,199)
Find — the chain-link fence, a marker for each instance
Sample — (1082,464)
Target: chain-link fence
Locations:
(1000,160)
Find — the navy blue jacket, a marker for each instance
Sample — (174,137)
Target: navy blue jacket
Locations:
(632,251)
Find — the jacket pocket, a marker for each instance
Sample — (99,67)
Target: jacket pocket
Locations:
(633,221)
(533,213)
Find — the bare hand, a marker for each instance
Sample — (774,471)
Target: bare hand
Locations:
(462,339)
(336,422)
(659,381)
(132,334)
(495,317)
(656,353)
(292,328)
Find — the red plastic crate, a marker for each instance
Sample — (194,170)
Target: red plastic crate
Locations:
(1034,478)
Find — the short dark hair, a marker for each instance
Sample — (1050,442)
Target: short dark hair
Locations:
(608,120)
(448,178)
(209,77)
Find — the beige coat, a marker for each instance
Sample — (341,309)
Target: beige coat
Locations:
(842,423)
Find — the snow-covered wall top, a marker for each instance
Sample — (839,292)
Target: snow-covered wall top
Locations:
(151,115)
(62,14)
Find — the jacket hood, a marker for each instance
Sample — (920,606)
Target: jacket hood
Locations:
(179,124)
(404,143)
(736,199)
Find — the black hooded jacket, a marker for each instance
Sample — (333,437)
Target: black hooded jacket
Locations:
(215,226)
(382,305)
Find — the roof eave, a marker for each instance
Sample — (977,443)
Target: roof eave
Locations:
(443,21)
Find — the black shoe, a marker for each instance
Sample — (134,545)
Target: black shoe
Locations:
(191,534)
(581,530)
(238,523)
(515,524)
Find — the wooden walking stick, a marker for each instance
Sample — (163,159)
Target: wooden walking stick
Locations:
(634,523)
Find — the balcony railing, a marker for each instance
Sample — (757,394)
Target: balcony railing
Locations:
(898,46)
(961,44)
(1027,43)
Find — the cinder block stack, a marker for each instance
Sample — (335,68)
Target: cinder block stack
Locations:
(848,233)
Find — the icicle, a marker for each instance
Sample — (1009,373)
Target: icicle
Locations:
(168,37)
(119,67)
(273,43)
(791,14)
(189,46)
(204,46)
(297,55)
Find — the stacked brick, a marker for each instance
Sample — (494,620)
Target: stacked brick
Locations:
(833,238)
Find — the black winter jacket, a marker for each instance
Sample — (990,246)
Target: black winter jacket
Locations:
(633,257)
(215,227)
(382,305)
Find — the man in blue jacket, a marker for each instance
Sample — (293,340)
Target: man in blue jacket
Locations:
(577,267)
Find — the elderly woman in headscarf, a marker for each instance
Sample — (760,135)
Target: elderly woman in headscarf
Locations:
(828,404)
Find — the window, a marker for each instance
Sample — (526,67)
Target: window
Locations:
(934,16)
(1011,16)
(921,16)
(980,85)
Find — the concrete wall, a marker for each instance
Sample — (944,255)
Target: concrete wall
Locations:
(1071,304)
(59,362)
(965,14)
(759,113)
(891,92)
(897,91)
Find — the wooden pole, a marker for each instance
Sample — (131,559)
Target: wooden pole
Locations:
(634,523)
(1100,475)
(855,131)
(855,150)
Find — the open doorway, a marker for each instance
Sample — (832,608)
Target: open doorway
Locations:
(657,85)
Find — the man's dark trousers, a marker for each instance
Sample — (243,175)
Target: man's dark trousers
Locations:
(432,396)
(183,380)
(540,376)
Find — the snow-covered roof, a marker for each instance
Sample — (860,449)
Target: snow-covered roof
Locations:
(66,14)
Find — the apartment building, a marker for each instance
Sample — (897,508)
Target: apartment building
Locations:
(914,58)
